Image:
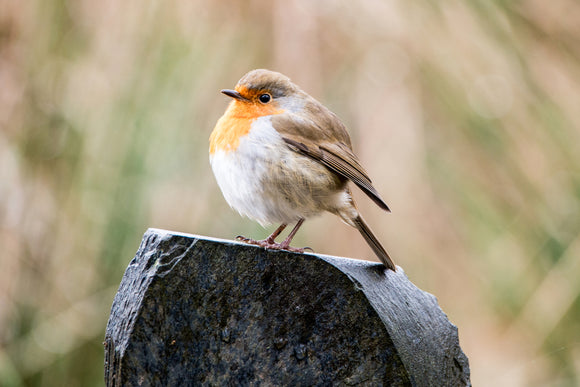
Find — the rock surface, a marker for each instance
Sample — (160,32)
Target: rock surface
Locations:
(193,310)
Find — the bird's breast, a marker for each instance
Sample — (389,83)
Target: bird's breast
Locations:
(242,169)
(236,123)
(267,181)
(227,133)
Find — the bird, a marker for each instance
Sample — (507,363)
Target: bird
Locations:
(280,156)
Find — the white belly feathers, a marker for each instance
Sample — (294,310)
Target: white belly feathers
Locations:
(254,178)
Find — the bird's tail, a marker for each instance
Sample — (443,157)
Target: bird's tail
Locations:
(373,242)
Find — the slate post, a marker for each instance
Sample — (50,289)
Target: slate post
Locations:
(193,310)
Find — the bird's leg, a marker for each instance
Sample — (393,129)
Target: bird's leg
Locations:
(285,245)
(272,238)
(270,242)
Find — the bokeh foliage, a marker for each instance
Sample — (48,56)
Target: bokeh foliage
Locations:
(466,115)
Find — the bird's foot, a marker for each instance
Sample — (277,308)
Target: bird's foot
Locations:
(271,244)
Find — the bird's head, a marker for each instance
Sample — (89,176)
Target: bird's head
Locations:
(264,92)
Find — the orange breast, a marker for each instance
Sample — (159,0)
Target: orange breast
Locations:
(227,132)
(236,123)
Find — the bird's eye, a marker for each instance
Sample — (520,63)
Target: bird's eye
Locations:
(265,98)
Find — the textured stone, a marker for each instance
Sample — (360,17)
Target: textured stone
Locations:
(193,310)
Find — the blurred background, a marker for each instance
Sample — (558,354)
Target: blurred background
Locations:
(466,115)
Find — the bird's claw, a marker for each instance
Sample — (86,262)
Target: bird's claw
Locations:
(272,245)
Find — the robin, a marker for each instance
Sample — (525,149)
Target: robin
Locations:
(280,156)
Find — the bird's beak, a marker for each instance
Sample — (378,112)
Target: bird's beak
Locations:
(234,94)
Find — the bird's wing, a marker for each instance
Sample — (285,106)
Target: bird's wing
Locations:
(329,145)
